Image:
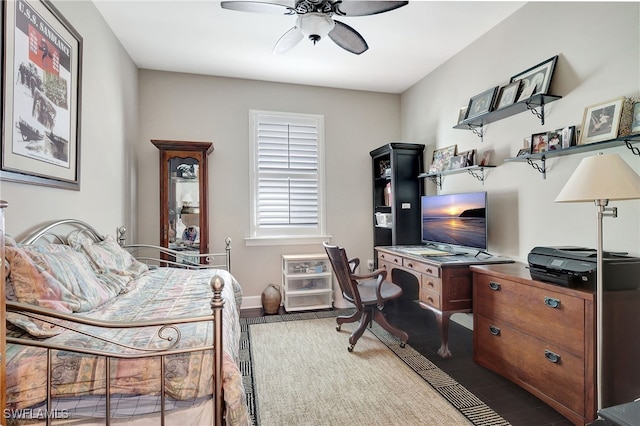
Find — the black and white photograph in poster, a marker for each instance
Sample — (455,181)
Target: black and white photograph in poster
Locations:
(41,139)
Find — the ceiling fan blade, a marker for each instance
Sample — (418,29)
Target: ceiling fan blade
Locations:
(348,38)
(362,8)
(257,7)
(288,40)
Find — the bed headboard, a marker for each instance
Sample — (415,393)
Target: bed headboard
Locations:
(59,232)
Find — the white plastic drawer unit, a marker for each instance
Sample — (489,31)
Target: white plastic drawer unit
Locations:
(305,264)
(306,282)
(297,302)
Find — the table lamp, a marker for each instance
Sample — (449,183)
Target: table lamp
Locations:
(599,179)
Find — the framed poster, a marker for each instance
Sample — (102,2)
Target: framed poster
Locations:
(41,95)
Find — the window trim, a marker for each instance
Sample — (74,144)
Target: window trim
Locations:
(291,235)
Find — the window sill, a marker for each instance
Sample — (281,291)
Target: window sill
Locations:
(286,240)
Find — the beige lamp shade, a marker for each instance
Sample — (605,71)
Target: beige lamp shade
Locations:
(601,177)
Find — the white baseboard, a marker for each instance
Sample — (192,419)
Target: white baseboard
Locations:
(251,302)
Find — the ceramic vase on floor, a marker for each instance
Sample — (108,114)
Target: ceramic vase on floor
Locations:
(271,299)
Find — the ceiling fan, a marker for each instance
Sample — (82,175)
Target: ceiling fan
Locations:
(315,20)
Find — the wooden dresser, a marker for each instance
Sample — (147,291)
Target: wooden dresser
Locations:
(542,337)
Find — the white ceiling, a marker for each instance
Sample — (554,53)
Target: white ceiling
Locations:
(202,38)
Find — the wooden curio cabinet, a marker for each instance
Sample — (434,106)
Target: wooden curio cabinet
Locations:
(183,198)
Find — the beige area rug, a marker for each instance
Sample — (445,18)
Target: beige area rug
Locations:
(302,374)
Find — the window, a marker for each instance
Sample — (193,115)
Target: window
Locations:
(287,182)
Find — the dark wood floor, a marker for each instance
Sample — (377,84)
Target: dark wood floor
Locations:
(514,404)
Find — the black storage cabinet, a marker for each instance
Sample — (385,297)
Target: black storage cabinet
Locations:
(399,165)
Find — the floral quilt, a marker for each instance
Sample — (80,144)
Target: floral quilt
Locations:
(156,294)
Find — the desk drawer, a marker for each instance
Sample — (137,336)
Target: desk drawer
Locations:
(552,316)
(541,367)
(389,258)
(422,267)
(430,283)
(431,298)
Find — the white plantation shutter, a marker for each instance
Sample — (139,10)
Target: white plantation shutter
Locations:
(287,173)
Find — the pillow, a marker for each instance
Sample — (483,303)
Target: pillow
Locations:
(28,283)
(109,258)
(57,277)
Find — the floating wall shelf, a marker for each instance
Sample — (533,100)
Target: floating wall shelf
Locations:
(535,104)
(542,156)
(475,171)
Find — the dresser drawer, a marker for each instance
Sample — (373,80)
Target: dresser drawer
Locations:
(551,316)
(543,368)
(422,267)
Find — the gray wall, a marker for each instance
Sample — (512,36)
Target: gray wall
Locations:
(599,59)
(109,126)
(199,108)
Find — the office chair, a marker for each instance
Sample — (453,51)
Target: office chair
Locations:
(368,293)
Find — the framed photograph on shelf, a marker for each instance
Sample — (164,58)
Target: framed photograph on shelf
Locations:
(508,94)
(539,142)
(635,121)
(41,102)
(442,159)
(568,136)
(482,103)
(457,162)
(469,157)
(462,114)
(526,93)
(536,79)
(601,121)
(486,157)
(554,141)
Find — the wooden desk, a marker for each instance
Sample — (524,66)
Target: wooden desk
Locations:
(444,282)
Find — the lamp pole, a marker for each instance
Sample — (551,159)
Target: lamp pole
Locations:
(603,211)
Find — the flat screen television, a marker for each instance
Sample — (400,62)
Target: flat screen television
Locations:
(455,220)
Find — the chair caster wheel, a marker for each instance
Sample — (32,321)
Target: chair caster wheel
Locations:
(350,348)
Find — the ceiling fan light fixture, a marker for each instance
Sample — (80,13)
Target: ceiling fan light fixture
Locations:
(315,26)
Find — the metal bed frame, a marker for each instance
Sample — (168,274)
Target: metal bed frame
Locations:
(167,330)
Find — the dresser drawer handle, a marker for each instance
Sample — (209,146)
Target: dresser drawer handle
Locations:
(552,303)
(494,330)
(410,265)
(553,357)
(494,286)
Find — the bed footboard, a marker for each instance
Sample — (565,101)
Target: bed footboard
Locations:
(167,330)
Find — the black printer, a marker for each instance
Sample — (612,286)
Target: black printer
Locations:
(577,266)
